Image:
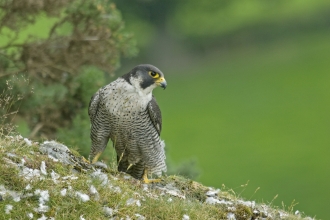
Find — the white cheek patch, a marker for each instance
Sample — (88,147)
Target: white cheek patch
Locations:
(136,83)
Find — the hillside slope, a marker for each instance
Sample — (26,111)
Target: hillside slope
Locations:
(49,181)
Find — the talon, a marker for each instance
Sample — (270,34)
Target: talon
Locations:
(146,180)
(85,160)
(129,166)
(96,157)
(121,157)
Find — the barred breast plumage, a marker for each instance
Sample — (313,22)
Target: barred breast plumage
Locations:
(126,112)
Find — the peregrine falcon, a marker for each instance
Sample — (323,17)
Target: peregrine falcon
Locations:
(126,112)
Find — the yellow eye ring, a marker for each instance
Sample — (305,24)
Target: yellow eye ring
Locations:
(154,74)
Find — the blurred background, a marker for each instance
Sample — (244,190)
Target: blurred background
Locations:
(247,103)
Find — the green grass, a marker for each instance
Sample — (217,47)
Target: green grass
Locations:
(258,113)
(154,204)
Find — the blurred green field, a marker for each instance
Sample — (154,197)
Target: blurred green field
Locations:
(259,114)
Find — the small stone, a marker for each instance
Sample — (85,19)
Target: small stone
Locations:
(83,197)
(11,155)
(211,200)
(8,208)
(212,193)
(231,208)
(44,195)
(283,214)
(117,189)
(28,142)
(100,165)
(108,211)
(63,192)
(43,217)
(231,216)
(145,187)
(132,201)
(98,174)
(140,217)
(247,203)
(42,208)
(93,190)
(54,176)
(28,187)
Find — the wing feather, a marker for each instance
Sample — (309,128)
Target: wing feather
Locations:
(93,106)
(155,114)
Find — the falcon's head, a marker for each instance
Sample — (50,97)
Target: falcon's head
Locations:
(145,77)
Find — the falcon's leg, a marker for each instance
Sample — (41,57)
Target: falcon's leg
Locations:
(146,180)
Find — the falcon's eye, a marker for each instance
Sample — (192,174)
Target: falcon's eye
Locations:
(153,74)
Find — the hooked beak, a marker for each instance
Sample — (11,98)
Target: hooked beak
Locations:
(161,82)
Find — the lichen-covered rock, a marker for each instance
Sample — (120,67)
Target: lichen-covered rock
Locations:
(56,151)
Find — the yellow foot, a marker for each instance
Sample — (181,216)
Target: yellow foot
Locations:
(146,180)
(85,160)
